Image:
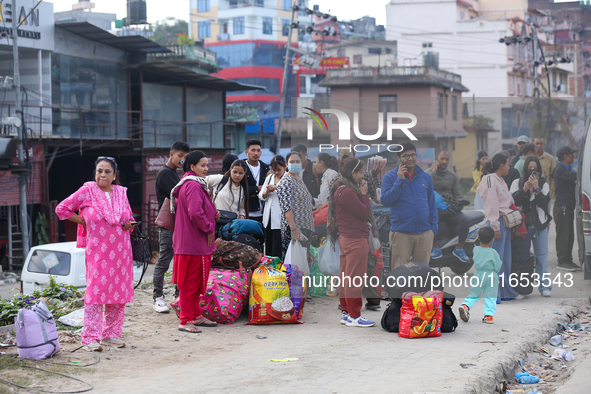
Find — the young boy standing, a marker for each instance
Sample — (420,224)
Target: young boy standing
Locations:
(487,263)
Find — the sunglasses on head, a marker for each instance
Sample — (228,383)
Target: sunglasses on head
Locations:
(106,158)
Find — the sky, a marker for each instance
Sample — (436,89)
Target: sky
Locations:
(158,9)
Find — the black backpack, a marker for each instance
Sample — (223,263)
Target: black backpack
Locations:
(391,316)
(449,322)
(249,240)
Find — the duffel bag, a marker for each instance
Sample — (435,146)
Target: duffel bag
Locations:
(412,276)
(36,334)
(449,322)
(229,254)
(225,296)
(391,316)
(242,226)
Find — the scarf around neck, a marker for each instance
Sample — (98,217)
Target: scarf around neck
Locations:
(111,211)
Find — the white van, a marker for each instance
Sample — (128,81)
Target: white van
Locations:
(64,261)
(584,199)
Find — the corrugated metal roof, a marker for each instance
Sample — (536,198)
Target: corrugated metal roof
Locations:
(183,74)
(127,43)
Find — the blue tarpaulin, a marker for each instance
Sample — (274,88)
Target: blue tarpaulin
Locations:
(268,127)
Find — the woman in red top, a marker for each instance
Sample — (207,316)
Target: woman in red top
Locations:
(349,212)
(193,236)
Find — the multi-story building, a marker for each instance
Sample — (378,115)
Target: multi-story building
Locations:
(465,34)
(249,37)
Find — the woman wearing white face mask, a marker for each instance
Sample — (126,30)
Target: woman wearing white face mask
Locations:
(295,202)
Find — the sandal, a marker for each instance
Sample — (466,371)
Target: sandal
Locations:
(204,323)
(191,330)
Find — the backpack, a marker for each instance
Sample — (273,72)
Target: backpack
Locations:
(249,240)
(391,316)
(449,322)
(36,334)
(243,226)
(228,254)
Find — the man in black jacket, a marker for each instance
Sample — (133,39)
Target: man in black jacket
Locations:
(308,172)
(256,171)
(166,180)
(565,180)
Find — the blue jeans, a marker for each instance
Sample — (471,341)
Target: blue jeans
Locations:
(503,248)
(540,241)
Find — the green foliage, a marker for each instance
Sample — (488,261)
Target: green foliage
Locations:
(58,297)
(42,229)
(168,30)
(184,39)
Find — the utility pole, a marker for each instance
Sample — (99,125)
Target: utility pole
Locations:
(284,83)
(534,40)
(23,174)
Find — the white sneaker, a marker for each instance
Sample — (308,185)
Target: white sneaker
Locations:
(359,322)
(520,297)
(114,342)
(93,346)
(160,305)
(546,293)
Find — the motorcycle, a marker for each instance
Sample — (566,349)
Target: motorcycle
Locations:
(447,238)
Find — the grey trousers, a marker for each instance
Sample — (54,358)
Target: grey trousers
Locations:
(165,256)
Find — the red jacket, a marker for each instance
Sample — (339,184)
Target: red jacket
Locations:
(352,213)
(194,219)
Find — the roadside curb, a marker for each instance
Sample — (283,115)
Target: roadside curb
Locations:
(5,329)
(491,381)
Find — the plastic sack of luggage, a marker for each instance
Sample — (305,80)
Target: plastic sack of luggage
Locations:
(329,259)
(421,315)
(270,301)
(318,281)
(270,261)
(75,318)
(225,296)
(297,288)
(296,254)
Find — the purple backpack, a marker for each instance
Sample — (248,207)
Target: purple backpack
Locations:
(36,334)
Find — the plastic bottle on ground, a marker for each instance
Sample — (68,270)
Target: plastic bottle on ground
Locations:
(556,340)
(564,355)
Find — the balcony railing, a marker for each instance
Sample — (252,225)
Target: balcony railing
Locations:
(230,4)
(374,72)
(162,134)
(79,123)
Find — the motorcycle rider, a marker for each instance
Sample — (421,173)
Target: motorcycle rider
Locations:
(447,183)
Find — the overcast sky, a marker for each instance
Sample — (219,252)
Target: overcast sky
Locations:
(158,9)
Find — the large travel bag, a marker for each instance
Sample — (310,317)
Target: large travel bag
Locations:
(36,334)
(415,277)
(226,295)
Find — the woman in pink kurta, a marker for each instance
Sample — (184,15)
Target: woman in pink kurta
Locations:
(104,223)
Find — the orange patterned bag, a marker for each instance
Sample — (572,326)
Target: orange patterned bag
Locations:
(421,314)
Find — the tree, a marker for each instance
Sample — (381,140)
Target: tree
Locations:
(168,30)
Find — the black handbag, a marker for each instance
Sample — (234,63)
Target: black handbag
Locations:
(140,246)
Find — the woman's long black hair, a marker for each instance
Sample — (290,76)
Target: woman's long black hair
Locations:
(481,154)
(243,182)
(525,176)
(193,158)
(328,160)
(494,164)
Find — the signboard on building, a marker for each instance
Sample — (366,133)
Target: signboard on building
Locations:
(155,163)
(425,155)
(36,28)
(329,62)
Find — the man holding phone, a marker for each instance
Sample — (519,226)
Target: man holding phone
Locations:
(447,184)
(408,191)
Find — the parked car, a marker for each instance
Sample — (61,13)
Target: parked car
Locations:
(63,260)
(584,200)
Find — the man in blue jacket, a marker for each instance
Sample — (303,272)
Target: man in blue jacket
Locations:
(413,215)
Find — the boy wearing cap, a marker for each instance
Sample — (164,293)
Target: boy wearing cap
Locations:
(564,208)
(521,141)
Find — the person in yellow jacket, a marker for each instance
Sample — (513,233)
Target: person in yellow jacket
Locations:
(477,175)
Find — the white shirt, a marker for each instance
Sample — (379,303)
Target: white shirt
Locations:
(327,177)
(272,208)
(256,173)
(227,198)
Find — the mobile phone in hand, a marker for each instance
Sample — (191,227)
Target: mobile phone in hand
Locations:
(536,174)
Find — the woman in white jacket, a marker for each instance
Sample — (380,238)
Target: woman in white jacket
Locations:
(230,191)
(272,210)
(328,166)
(532,195)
